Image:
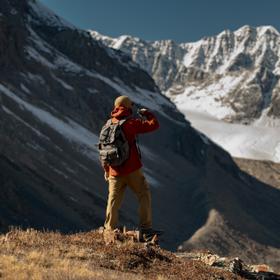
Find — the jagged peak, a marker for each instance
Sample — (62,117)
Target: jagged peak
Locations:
(267,29)
(121,40)
(118,41)
(99,36)
(242,31)
(165,43)
(125,37)
(245,30)
(128,38)
(225,33)
(261,30)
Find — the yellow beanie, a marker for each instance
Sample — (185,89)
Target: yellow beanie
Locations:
(123,101)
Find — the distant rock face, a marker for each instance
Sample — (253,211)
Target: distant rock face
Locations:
(232,76)
(275,101)
(57,87)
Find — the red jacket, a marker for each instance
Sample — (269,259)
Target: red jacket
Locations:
(131,128)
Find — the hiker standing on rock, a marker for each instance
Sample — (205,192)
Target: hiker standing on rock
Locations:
(121,160)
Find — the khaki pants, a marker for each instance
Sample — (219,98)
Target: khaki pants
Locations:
(117,185)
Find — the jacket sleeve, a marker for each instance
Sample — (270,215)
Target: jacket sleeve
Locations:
(143,126)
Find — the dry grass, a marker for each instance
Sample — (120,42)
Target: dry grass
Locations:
(47,255)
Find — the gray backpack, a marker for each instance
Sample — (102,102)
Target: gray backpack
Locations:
(113,145)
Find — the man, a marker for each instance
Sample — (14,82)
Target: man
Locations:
(129,173)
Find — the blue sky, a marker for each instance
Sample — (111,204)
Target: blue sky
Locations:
(179,20)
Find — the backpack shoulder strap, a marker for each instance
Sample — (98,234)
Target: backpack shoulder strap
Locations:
(122,121)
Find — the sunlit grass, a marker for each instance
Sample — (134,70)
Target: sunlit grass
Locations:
(39,255)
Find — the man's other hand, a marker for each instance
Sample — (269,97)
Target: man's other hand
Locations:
(142,111)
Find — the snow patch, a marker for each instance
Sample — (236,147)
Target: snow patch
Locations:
(207,99)
(266,121)
(251,142)
(67,65)
(35,147)
(64,84)
(34,77)
(38,57)
(118,43)
(148,153)
(6,110)
(200,101)
(72,131)
(277,153)
(25,89)
(92,90)
(59,172)
(150,179)
(189,57)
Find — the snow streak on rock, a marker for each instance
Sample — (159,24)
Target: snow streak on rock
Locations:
(69,129)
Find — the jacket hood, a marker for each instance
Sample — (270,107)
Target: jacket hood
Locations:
(121,112)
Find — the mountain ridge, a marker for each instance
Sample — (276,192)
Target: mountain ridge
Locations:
(246,61)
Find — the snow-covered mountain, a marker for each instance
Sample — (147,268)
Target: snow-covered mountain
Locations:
(57,87)
(232,76)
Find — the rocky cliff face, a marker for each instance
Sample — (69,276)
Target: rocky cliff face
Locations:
(57,87)
(233,76)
